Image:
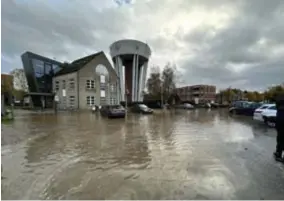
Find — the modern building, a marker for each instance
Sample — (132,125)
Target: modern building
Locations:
(39,72)
(197,93)
(130,58)
(86,82)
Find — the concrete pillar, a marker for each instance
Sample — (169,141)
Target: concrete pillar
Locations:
(137,79)
(141,87)
(144,74)
(133,77)
(121,81)
(118,69)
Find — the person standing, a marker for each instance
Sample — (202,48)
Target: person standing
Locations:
(279,128)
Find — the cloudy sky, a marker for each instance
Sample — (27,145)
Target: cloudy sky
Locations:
(236,43)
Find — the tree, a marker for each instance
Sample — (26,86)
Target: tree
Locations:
(271,93)
(154,83)
(168,80)
(20,81)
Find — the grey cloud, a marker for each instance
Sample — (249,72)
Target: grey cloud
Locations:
(81,27)
(233,44)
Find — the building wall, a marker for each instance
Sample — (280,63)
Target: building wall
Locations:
(66,102)
(76,97)
(89,72)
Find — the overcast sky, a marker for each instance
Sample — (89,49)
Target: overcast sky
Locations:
(238,43)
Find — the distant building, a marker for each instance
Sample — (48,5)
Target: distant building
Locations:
(39,72)
(86,82)
(197,93)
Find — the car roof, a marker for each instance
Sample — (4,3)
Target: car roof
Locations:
(268,104)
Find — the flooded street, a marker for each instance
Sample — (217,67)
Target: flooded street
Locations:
(198,154)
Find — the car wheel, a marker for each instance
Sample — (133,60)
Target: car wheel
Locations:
(270,123)
(265,120)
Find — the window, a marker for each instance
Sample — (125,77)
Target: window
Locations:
(63,84)
(48,69)
(90,100)
(103,79)
(112,88)
(71,101)
(90,84)
(103,93)
(112,101)
(56,85)
(272,108)
(72,83)
(38,66)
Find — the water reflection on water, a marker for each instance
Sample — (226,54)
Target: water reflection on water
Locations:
(199,154)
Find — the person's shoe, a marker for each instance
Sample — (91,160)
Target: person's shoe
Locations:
(278,156)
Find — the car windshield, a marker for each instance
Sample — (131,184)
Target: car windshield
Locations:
(272,108)
(142,106)
(263,107)
(116,107)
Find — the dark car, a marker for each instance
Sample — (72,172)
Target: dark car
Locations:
(244,108)
(112,111)
(142,109)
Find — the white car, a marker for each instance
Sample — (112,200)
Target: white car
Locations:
(269,116)
(257,115)
(188,106)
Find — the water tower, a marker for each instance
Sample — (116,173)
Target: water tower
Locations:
(131,58)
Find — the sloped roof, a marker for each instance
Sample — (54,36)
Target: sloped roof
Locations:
(77,64)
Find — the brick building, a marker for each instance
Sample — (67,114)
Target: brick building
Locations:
(197,93)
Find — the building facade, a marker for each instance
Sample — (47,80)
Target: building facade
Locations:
(86,82)
(130,58)
(39,72)
(197,93)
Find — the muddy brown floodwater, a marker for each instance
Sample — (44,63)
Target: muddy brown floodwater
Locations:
(199,154)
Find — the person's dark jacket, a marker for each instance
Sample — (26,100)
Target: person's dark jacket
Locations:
(280,112)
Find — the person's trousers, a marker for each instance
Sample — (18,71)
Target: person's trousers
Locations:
(280,140)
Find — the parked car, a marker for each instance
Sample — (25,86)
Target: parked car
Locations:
(188,106)
(269,116)
(244,108)
(142,109)
(184,106)
(257,115)
(112,111)
(215,105)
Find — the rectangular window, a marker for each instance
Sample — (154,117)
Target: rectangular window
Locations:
(38,67)
(90,100)
(112,88)
(103,79)
(56,85)
(71,101)
(90,84)
(112,101)
(103,93)
(63,84)
(72,83)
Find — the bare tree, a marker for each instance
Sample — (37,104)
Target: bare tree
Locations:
(169,79)
(154,83)
(20,80)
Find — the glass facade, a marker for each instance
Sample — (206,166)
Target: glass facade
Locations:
(39,71)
